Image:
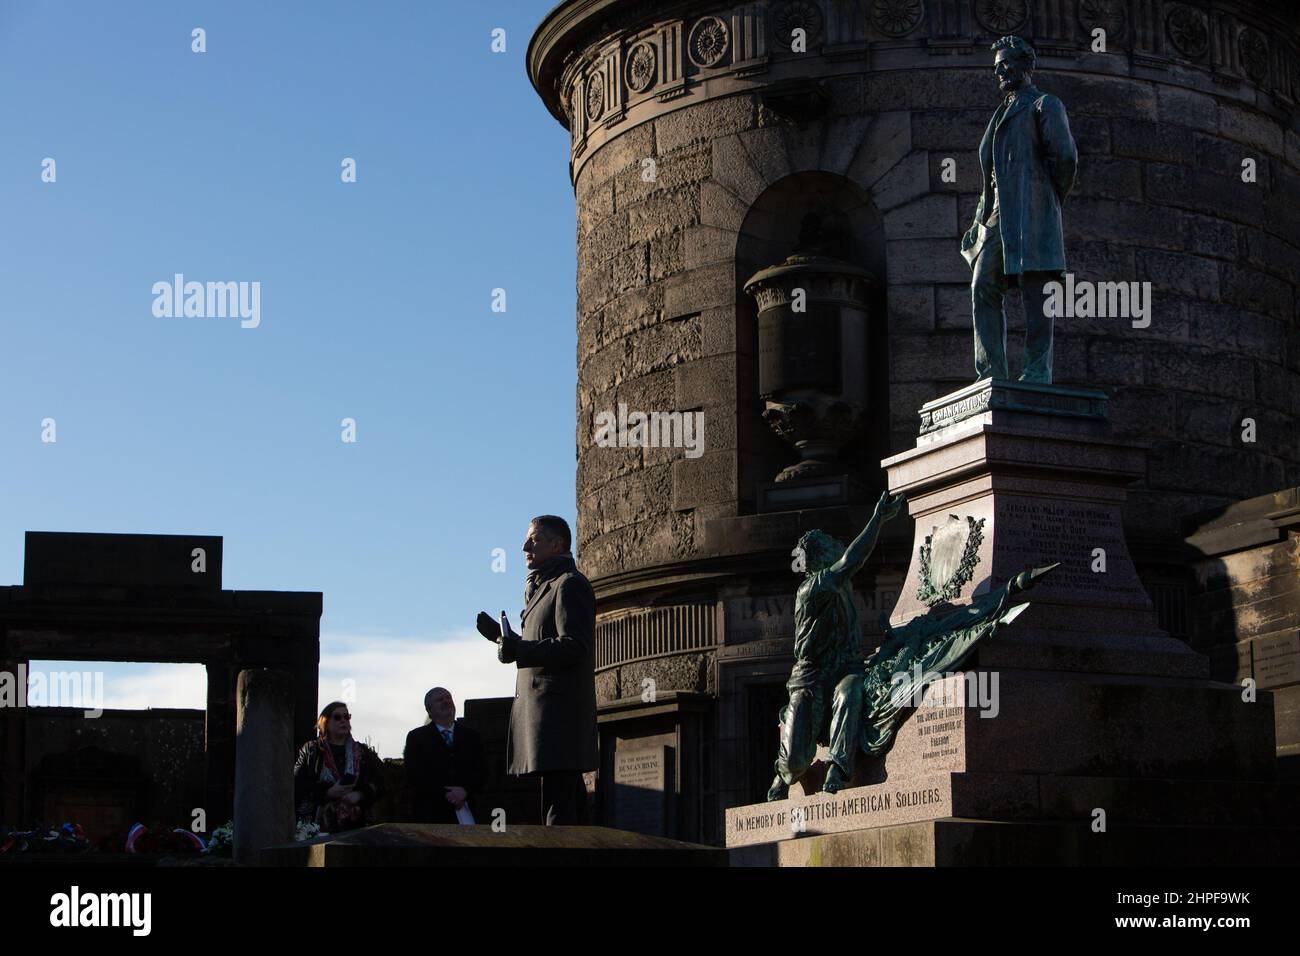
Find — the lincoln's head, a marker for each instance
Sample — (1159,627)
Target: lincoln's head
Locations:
(1013,62)
(820,550)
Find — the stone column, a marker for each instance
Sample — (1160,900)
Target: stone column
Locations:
(263,762)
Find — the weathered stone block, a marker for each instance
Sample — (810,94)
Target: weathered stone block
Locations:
(923,90)
(1256,291)
(707,383)
(1104,96)
(841,141)
(1176,366)
(1106,178)
(949,131)
(1230,328)
(1202,192)
(684,167)
(708,479)
(704,121)
(1143,139)
(1251,128)
(616,155)
(1207,236)
(666,257)
(911,308)
(1122,222)
(1271,254)
(630,269)
(1113,361)
(718,330)
(925,260)
(700,289)
(721,208)
(909,179)
(933,216)
(767,151)
(1223,158)
(888,139)
(1183,107)
(663,212)
(733,169)
(1091,134)
(631,312)
(703,245)
(1178,272)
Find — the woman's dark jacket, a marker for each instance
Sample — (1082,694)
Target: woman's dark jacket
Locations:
(309,791)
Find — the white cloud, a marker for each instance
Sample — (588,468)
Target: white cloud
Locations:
(392,676)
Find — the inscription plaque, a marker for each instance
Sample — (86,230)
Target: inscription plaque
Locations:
(640,778)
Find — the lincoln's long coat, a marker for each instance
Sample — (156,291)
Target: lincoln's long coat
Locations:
(553,719)
(1035,158)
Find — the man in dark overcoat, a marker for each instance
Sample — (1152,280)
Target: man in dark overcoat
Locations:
(1028,161)
(445,763)
(553,718)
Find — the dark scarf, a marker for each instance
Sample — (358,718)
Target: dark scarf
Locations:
(550,568)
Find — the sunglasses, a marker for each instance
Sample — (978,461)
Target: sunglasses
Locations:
(341,717)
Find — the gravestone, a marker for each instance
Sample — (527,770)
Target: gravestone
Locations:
(641,778)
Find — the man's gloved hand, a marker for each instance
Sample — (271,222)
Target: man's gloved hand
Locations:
(506,648)
(488,627)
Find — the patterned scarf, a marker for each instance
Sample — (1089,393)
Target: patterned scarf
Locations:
(550,568)
(329,773)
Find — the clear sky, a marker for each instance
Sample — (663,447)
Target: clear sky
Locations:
(375,305)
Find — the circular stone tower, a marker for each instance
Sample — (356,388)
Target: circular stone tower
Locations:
(728,156)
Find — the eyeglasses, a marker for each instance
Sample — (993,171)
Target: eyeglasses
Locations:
(341,717)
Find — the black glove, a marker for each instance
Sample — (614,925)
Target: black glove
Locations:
(506,648)
(488,627)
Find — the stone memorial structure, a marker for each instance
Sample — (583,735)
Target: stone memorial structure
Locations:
(1247,604)
(707,141)
(149,598)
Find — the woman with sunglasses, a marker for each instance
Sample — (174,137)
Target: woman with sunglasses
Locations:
(336,779)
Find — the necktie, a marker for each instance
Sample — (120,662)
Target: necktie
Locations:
(446,736)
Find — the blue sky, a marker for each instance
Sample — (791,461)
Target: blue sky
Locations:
(375,305)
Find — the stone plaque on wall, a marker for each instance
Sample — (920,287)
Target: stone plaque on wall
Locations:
(641,779)
(1277,660)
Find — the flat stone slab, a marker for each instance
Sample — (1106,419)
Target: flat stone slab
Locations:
(445,844)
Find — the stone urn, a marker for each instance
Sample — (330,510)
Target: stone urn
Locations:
(812,372)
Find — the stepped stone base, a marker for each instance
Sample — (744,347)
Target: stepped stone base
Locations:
(954,841)
(434,844)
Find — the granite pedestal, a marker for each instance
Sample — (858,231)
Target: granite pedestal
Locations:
(1079,734)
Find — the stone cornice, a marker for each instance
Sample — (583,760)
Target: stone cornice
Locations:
(579,54)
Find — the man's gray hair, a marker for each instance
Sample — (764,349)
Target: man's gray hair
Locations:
(1019,48)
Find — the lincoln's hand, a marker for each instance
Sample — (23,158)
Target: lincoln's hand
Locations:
(487,627)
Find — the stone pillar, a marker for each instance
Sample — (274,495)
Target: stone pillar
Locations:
(13,742)
(219,742)
(263,762)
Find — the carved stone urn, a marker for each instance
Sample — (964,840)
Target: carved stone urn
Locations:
(812,335)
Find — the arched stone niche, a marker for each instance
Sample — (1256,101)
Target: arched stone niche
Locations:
(769,233)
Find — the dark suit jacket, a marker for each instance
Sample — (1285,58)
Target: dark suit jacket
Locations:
(431,765)
(1036,159)
(553,720)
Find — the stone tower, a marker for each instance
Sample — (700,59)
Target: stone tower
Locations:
(720,149)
